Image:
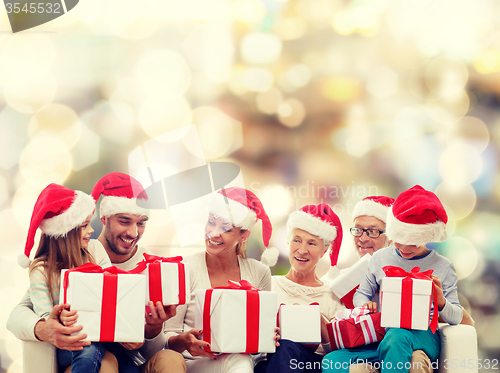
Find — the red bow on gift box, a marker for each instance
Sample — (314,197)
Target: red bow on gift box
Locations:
(110,286)
(153,263)
(252,317)
(407,291)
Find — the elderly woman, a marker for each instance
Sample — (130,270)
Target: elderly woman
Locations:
(232,212)
(312,231)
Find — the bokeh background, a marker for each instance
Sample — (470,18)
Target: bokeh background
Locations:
(315,100)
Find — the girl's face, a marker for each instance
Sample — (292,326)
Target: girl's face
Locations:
(86,231)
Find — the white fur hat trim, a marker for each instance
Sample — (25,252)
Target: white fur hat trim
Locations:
(414,234)
(370,208)
(82,206)
(310,224)
(111,205)
(231,211)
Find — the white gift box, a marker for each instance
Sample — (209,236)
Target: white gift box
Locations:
(108,310)
(344,285)
(416,304)
(236,323)
(170,285)
(300,323)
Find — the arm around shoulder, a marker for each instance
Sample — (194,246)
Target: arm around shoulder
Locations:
(22,320)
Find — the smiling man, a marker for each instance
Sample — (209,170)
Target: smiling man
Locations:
(369,219)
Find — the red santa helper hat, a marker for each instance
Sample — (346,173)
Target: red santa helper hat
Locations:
(416,218)
(120,194)
(319,221)
(376,206)
(57,211)
(242,208)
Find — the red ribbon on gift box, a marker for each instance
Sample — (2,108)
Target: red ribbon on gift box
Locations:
(153,263)
(407,293)
(253,303)
(109,299)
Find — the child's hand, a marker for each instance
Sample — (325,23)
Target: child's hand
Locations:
(439,290)
(277,337)
(372,306)
(68,317)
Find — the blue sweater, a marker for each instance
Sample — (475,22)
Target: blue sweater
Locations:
(443,269)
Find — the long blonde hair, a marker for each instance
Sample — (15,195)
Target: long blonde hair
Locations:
(64,252)
(241,247)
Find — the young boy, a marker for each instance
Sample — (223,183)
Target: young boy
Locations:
(416,218)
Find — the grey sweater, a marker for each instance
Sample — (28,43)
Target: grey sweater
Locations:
(443,269)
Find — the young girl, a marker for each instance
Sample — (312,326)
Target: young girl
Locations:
(63,215)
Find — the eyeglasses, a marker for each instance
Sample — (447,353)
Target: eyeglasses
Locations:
(372,233)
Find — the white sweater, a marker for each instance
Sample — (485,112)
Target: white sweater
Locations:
(250,269)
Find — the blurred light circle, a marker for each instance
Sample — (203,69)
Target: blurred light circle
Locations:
(460,198)
(45,160)
(23,201)
(14,127)
(341,89)
(449,109)
(382,82)
(57,121)
(131,19)
(277,199)
(217,132)
(25,57)
(343,23)
(445,77)
(472,131)
(291,112)
(31,95)
(249,11)
(460,164)
(257,79)
(462,254)
(487,62)
(158,115)
(4,192)
(163,73)
(260,48)
(269,101)
(295,77)
(291,28)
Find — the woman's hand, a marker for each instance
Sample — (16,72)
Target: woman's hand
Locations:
(277,337)
(68,317)
(188,342)
(325,338)
(132,345)
(372,306)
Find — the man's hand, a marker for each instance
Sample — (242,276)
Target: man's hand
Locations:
(439,290)
(68,317)
(188,342)
(155,318)
(132,345)
(59,335)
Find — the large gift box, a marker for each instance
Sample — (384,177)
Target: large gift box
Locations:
(356,327)
(300,323)
(345,285)
(106,301)
(406,299)
(167,279)
(237,319)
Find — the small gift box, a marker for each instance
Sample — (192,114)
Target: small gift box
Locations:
(167,279)
(344,285)
(106,301)
(300,323)
(356,327)
(406,299)
(237,319)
